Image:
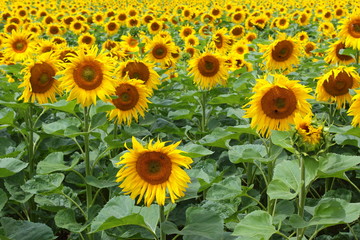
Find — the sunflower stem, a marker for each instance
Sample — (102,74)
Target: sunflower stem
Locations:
(30,127)
(87,162)
(203,111)
(162,220)
(357,57)
(302,195)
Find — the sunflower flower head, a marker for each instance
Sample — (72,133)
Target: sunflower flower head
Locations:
(150,172)
(350,31)
(308,137)
(274,105)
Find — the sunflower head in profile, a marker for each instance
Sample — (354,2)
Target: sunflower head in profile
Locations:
(159,50)
(131,100)
(350,31)
(335,85)
(208,69)
(19,45)
(335,57)
(148,172)
(282,53)
(140,70)
(354,109)
(274,105)
(87,75)
(39,80)
(308,136)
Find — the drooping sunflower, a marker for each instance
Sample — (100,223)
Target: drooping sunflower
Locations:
(350,31)
(151,171)
(334,56)
(19,45)
(159,50)
(208,69)
(335,85)
(141,70)
(282,53)
(310,135)
(87,76)
(275,105)
(130,102)
(39,82)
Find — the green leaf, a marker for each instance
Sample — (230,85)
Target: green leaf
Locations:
(102,106)
(194,150)
(348,52)
(14,68)
(7,116)
(15,105)
(334,165)
(219,137)
(257,224)
(10,166)
(100,183)
(282,139)
(120,211)
(242,129)
(231,99)
(54,162)
(247,153)
(24,230)
(180,114)
(228,188)
(65,218)
(202,223)
(13,186)
(3,199)
(43,183)
(62,127)
(283,209)
(62,105)
(286,180)
(328,211)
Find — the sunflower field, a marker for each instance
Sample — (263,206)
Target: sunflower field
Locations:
(173,119)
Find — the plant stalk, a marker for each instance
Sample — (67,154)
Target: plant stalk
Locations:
(302,195)
(162,220)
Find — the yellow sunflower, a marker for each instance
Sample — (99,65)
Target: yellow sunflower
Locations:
(19,45)
(282,53)
(154,27)
(335,85)
(208,70)
(308,48)
(221,40)
(159,50)
(141,70)
(111,28)
(131,101)
(151,171)
(237,31)
(39,81)
(309,134)
(87,76)
(354,109)
(350,31)
(275,105)
(86,39)
(334,56)
(186,31)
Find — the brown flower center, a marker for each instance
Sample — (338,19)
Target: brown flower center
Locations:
(54,30)
(137,70)
(111,26)
(122,17)
(342,57)
(154,167)
(187,32)
(354,28)
(159,51)
(340,85)
(237,31)
(208,66)
(278,103)
(88,75)
(155,26)
(128,97)
(41,77)
(282,51)
(20,46)
(219,40)
(87,40)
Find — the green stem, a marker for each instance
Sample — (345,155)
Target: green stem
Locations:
(75,203)
(255,200)
(87,162)
(352,184)
(302,195)
(357,57)
(31,159)
(162,220)
(203,111)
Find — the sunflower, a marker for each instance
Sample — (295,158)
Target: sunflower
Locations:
(238,17)
(159,50)
(283,23)
(19,45)
(308,48)
(282,53)
(77,27)
(132,22)
(354,109)
(111,28)
(87,76)
(250,36)
(39,81)
(335,85)
(151,171)
(154,27)
(208,70)
(141,70)
(350,31)
(205,30)
(302,36)
(221,40)
(45,46)
(98,18)
(54,29)
(122,17)
(132,101)
(310,136)
(275,105)
(186,31)
(240,48)
(334,56)
(191,40)
(8,28)
(304,19)
(86,39)
(237,31)
(130,42)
